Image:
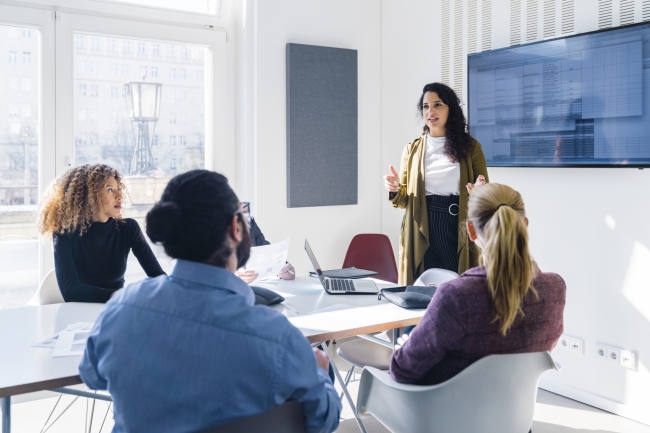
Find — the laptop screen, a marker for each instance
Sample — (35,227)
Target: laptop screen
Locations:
(314,263)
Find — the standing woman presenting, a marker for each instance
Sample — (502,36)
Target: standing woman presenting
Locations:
(433,185)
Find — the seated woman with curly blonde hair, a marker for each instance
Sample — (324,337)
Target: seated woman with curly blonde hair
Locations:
(82,212)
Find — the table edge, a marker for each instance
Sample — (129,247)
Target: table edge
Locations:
(325,336)
(40,386)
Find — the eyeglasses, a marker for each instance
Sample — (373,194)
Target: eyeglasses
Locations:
(245,210)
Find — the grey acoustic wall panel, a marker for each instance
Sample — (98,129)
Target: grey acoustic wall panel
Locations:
(322,154)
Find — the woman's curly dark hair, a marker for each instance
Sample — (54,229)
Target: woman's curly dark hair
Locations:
(73,199)
(458,145)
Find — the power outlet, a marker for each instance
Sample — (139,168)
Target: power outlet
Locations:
(628,359)
(601,351)
(564,343)
(576,345)
(613,354)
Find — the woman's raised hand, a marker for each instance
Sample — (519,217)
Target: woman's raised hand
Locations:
(480,181)
(391,181)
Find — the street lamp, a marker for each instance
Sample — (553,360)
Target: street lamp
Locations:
(143,103)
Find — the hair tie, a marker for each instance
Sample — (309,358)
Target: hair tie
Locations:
(502,204)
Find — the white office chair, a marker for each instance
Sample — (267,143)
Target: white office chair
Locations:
(435,276)
(496,394)
(48,292)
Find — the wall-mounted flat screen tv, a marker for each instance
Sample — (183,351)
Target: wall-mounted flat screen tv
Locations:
(578,101)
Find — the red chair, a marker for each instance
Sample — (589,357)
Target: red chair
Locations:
(372,252)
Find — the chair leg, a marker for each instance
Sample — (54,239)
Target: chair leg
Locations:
(61,414)
(92,412)
(347,379)
(107,410)
(345,391)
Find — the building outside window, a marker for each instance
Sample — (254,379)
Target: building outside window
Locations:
(125,69)
(142,48)
(185,53)
(172,73)
(96,43)
(12,57)
(155,50)
(114,92)
(26,84)
(93,68)
(27,33)
(112,44)
(172,140)
(27,58)
(81,67)
(12,83)
(82,90)
(154,72)
(80,42)
(182,74)
(12,111)
(171,52)
(126,46)
(114,69)
(94,91)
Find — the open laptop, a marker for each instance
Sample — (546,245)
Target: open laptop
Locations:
(341,286)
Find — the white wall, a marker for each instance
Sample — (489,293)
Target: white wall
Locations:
(607,270)
(340,23)
(608,299)
(410,59)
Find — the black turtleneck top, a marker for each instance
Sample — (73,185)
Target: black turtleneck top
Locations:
(90,267)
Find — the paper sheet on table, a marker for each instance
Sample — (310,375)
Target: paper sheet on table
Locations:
(70,343)
(268,260)
(51,341)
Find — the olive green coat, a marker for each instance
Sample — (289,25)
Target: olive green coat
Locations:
(414,236)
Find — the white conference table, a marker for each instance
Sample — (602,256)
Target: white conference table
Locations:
(24,368)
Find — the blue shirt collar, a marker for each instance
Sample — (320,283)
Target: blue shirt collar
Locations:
(212,277)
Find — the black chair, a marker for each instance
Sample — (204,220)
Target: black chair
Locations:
(286,418)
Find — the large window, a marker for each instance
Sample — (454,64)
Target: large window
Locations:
(20,132)
(116,132)
(87,71)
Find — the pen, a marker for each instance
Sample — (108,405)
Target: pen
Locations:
(291,271)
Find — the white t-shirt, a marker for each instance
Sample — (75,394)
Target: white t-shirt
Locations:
(441,176)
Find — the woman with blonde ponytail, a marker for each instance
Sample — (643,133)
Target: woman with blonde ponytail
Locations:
(507,305)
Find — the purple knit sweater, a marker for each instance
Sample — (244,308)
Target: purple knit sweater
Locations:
(458,329)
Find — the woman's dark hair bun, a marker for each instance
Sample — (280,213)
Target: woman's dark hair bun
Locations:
(165,222)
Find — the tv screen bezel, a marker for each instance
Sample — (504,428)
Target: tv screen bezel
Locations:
(599,165)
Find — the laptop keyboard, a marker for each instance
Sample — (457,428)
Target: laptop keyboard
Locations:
(339,285)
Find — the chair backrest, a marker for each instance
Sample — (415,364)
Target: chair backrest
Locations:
(435,276)
(373,252)
(286,418)
(496,394)
(48,292)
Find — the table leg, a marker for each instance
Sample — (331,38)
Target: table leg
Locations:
(345,389)
(5,405)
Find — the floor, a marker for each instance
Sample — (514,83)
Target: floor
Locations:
(553,414)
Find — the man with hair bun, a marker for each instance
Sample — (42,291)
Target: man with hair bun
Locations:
(191,351)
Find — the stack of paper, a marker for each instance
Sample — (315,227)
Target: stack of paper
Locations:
(69,342)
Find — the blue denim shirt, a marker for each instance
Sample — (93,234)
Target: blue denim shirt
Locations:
(189,351)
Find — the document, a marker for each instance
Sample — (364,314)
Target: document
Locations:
(70,343)
(268,260)
(51,341)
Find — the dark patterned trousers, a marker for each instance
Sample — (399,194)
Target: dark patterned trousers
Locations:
(442,212)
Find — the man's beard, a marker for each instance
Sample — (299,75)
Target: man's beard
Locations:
(243,250)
